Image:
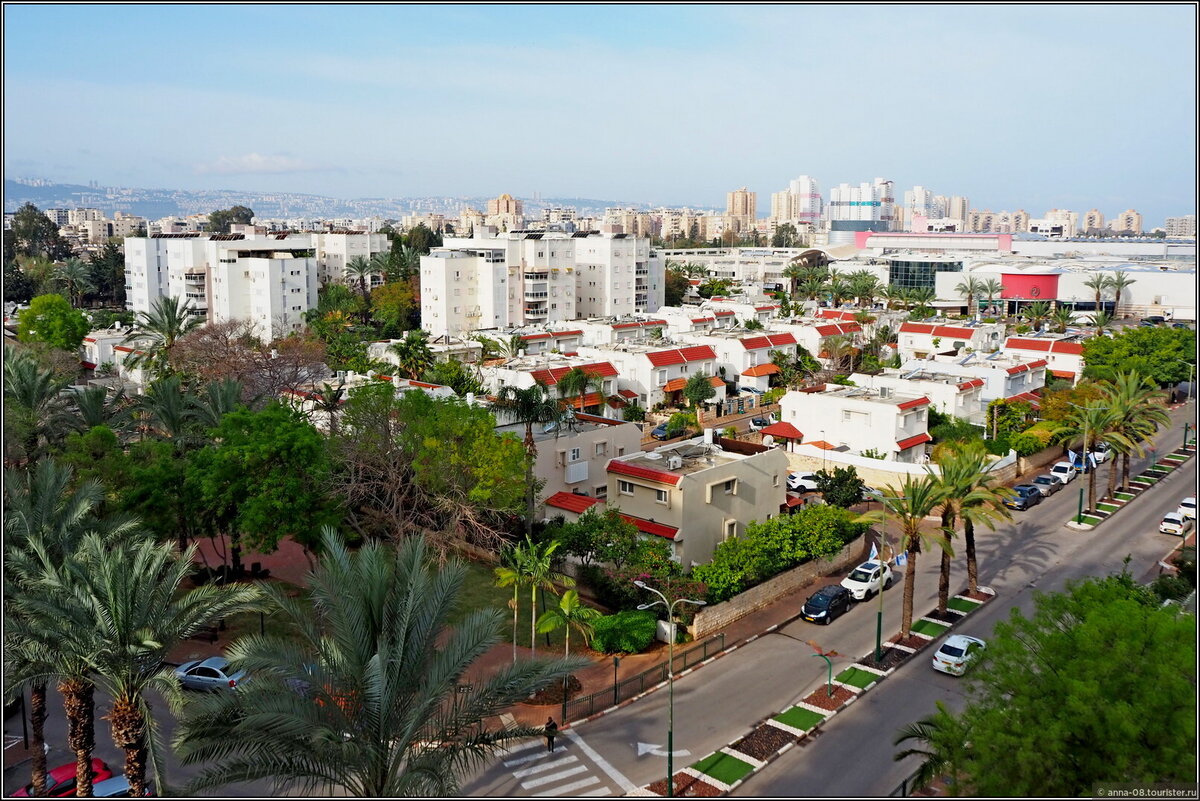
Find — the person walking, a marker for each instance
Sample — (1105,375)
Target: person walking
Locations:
(551,731)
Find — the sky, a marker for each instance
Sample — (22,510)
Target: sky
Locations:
(1014,106)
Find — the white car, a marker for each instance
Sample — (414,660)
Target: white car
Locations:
(802,482)
(1187,508)
(868,579)
(1102,453)
(1175,523)
(957,653)
(1065,472)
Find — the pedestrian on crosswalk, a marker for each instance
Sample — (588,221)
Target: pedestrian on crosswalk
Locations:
(551,731)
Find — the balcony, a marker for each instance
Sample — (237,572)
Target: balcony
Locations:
(537,275)
(536,295)
(536,312)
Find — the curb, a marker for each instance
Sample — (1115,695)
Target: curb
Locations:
(826,715)
(1137,485)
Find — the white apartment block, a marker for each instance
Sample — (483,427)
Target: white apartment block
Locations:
(523,277)
(744,356)
(335,249)
(1004,375)
(269,280)
(920,340)
(860,419)
(1181,227)
(950,394)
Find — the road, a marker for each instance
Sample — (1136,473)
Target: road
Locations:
(718,704)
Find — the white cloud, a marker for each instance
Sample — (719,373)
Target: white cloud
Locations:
(256,163)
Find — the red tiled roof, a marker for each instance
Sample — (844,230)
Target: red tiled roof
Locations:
(783,430)
(919,439)
(759,370)
(838,328)
(675,384)
(551,377)
(794,500)
(767,341)
(916,328)
(725,313)
(530,337)
(835,314)
(716,382)
(637,471)
(695,353)
(571,502)
(704,319)
(912,404)
(1034,400)
(650,527)
(765,308)
(591,399)
(566,333)
(1044,345)
(123,348)
(627,393)
(972,383)
(1021,368)
(937,330)
(822,444)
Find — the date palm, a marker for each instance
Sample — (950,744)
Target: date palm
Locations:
(991,287)
(1101,321)
(359,270)
(74,273)
(1100,284)
(576,383)
(216,399)
(328,400)
(362,698)
(811,288)
(157,331)
(1137,405)
(971,288)
(1118,283)
(34,406)
(1062,317)
(1084,427)
(942,742)
(95,406)
(1037,313)
(529,406)
(837,289)
(921,297)
(908,505)
(973,496)
(863,286)
(413,355)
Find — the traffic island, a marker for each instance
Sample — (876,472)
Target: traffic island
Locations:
(1107,507)
(723,770)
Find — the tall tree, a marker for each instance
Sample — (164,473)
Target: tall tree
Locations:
(157,332)
(1119,282)
(360,270)
(34,234)
(380,714)
(220,220)
(575,384)
(970,289)
(51,319)
(992,288)
(529,406)
(1037,313)
(1100,283)
(1137,414)
(74,273)
(698,389)
(1085,427)
(1062,317)
(34,406)
(535,564)
(413,354)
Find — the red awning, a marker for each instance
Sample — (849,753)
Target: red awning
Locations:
(911,442)
(1067,374)
(572,502)
(675,385)
(761,370)
(783,430)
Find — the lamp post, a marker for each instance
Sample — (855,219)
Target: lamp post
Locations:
(823,444)
(670,606)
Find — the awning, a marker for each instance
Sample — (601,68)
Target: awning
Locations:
(1034,400)
(675,385)
(912,442)
(759,370)
(650,527)
(1067,374)
(572,502)
(823,445)
(783,430)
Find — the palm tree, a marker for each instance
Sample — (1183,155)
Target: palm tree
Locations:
(970,289)
(129,597)
(166,410)
(1062,317)
(864,287)
(408,261)
(218,399)
(1085,426)
(1099,283)
(536,566)
(512,347)
(1037,313)
(34,405)
(576,382)
(156,332)
(972,495)
(837,289)
(413,354)
(360,270)
(694,269)
(1137,406)
(840,348)
(77,277)
(1101,321)
(921,297)
(508,574)
(944,744)
(794,272)
(379,712)
(908,505)
(94,406)
(572,613)
(329,401)
(893,296)
(991,287)
(529,406)
(811,289)
(1118,283)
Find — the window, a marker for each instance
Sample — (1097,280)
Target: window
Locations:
(845,415)
(601,491)
(574,454)
(625,487)
(660,496)
(775,481)
(730,529)
(731,486)
(601,448)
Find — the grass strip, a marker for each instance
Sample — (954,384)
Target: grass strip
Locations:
(963,604)
(856,678)
(929,627)
(799,718)
(723,767)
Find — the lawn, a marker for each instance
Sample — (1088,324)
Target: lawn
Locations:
(1107,507)
(1090,520)
(480,592)
(929,627)
(857,678)
(723,767)
(1125,496)
(800,718)
(963,604)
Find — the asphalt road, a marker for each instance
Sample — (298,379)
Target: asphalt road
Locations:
(719,703)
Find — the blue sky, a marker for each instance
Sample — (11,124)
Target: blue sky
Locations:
(1030,106)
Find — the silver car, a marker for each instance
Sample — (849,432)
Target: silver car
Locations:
(1047,484)
(209,674)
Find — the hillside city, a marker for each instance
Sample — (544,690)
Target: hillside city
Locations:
(272,448)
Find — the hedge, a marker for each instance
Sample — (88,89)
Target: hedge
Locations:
(628,632)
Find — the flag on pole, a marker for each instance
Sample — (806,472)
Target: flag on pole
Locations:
(874,553)
(1071,455)
(901,559)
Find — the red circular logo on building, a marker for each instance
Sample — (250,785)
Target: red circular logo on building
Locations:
(1035,291)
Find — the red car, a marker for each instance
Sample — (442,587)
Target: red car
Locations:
(60,782)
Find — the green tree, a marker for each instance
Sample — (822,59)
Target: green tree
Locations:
(1036,313)
(529,406)
(970,289)
(535,566)
(1092,670)
(1101,321)
(463,378)
(600,536)
(992,288)
(698,389)
(413,354)
(1062,317)
(359,270)
(1161,354)
(675,287)
(1137,414)
(843,487)
(785,236)
(1118,283)
(18,288)
(106,271)
(391,306)
(381,715)
(33,234)
(158,331)
(941,743)
(51,319)
(34,407)
(1100,283)
(1083,429)
(573,387)
(571,613)
(263,479)
(220,220)
(422,239)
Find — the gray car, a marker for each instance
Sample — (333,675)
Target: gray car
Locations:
(1047,484)
(209,674)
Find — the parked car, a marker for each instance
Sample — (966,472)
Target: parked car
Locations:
(1065,472)
(871,494)
(1154,320)
(957,653)
(1187,508)
(1184,326)
(1103,452)
(209,674)
(1048,484)
(117,787)
(826,604)
(1083,466)
(660,431)
(1027,495)
(802,482)
(1175,523)
(60,782)
(868,579)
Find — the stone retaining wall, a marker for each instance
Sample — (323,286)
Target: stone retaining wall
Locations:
(716,617)
(1045,456)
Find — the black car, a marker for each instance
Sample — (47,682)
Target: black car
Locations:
(826,603)
(1026,495)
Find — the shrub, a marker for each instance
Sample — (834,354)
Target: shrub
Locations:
(730,433)
(999,446)
(628,632)
(773,395)
(844,380)
(1026,444)
(633,413)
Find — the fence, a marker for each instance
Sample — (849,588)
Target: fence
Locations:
(622,690)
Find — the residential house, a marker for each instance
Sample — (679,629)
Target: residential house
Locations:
(894,426)
(658,374)
(920,340)
(1063,354)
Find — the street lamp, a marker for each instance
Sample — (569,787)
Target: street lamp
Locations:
(670,606)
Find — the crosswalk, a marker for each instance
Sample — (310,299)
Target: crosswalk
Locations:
(541,773)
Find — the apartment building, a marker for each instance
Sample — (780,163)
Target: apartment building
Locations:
(657,374)
(1181,227)
(1128,220)
(530,277)
(1005,375)
(920,340)
(950,394)
(506,213)
(741,209)
(1093,221)
(694,494)
(860,419)
(269,280)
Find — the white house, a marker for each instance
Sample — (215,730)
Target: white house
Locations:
(955,395)
(657,374)
(919,340)
(1004,375)
(1064,356)
(859,419)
